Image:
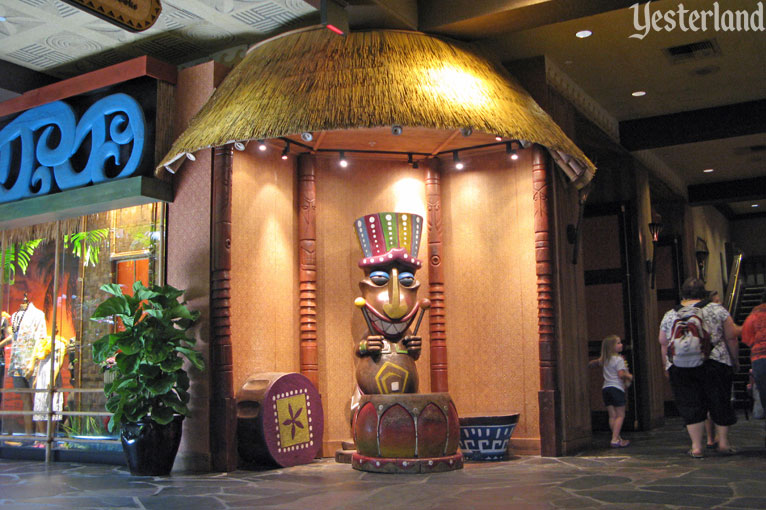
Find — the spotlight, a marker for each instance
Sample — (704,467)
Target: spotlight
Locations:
(512,153)
(306,136)
(458,164)
(412,162)
(343,161)
(240,146)
(498,138)
(286,150)
(466,131)
(261,145)
(396,130)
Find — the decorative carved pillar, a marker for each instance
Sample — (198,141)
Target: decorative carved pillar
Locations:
(436,315)
(223,408)
(548,396)
(307,267)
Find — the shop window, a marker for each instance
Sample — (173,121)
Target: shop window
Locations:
(120,246)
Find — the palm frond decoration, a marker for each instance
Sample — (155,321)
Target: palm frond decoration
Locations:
(17,257)
(86,245)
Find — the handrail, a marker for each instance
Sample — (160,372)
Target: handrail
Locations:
(732,289)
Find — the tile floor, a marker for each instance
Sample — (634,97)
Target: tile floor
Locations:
(653,473)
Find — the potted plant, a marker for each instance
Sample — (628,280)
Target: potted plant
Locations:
(149,394)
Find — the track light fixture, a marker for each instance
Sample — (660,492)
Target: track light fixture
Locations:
(458,164)
(412,162)
(286,150)
(498,138)
(261,145)
(343,161)
(512,153)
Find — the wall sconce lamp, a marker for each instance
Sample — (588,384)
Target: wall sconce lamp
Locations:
(654,229)
(701,254)
(458,164)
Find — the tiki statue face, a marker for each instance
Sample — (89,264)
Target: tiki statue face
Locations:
(390,243)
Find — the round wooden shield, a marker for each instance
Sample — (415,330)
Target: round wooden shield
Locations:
(282,414)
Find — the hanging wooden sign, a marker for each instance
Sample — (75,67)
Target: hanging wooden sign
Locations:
(132,15)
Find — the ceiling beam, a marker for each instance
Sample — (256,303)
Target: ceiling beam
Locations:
(405,12)
(694,126)
(490,18)
(727,191)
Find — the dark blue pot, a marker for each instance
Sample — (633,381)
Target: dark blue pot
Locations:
(150,448)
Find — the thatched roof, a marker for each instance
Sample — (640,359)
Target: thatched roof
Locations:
(313,80)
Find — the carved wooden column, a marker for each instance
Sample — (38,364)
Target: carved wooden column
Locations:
(436,315)
(548,396)
(223,406)
(307,267)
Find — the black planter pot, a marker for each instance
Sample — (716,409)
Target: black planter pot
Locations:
(150,448)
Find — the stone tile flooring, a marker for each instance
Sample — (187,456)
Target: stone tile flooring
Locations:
(652,473)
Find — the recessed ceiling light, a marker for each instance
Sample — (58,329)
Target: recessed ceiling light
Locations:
(638,93)
(709,170)
(582,34)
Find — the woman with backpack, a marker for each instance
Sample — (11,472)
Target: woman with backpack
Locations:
(699,345)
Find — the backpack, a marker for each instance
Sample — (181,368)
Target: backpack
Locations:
(690,343)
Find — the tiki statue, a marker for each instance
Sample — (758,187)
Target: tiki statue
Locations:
(387,353)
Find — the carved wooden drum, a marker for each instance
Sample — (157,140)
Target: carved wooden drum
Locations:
(416,432)
(279,420)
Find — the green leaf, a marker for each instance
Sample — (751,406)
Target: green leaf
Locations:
(127,364)
(112,306)
(112,288)
(162,415)
(162,384)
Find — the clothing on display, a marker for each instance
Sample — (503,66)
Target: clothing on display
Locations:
(28,326)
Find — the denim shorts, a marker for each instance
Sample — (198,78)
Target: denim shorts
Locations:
(613,396)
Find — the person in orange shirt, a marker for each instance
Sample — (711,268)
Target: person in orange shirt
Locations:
(754,335)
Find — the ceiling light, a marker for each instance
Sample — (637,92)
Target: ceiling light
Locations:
(709,170)
(498,138)
(240,146)
(638,93)
(582,34)
(261,145)
(512,153)
(754,205)
(343,161)
(458,164)
(286,150)
(466,131)
(306,136)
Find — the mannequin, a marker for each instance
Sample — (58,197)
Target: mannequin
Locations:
(6,336)
(28,325)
